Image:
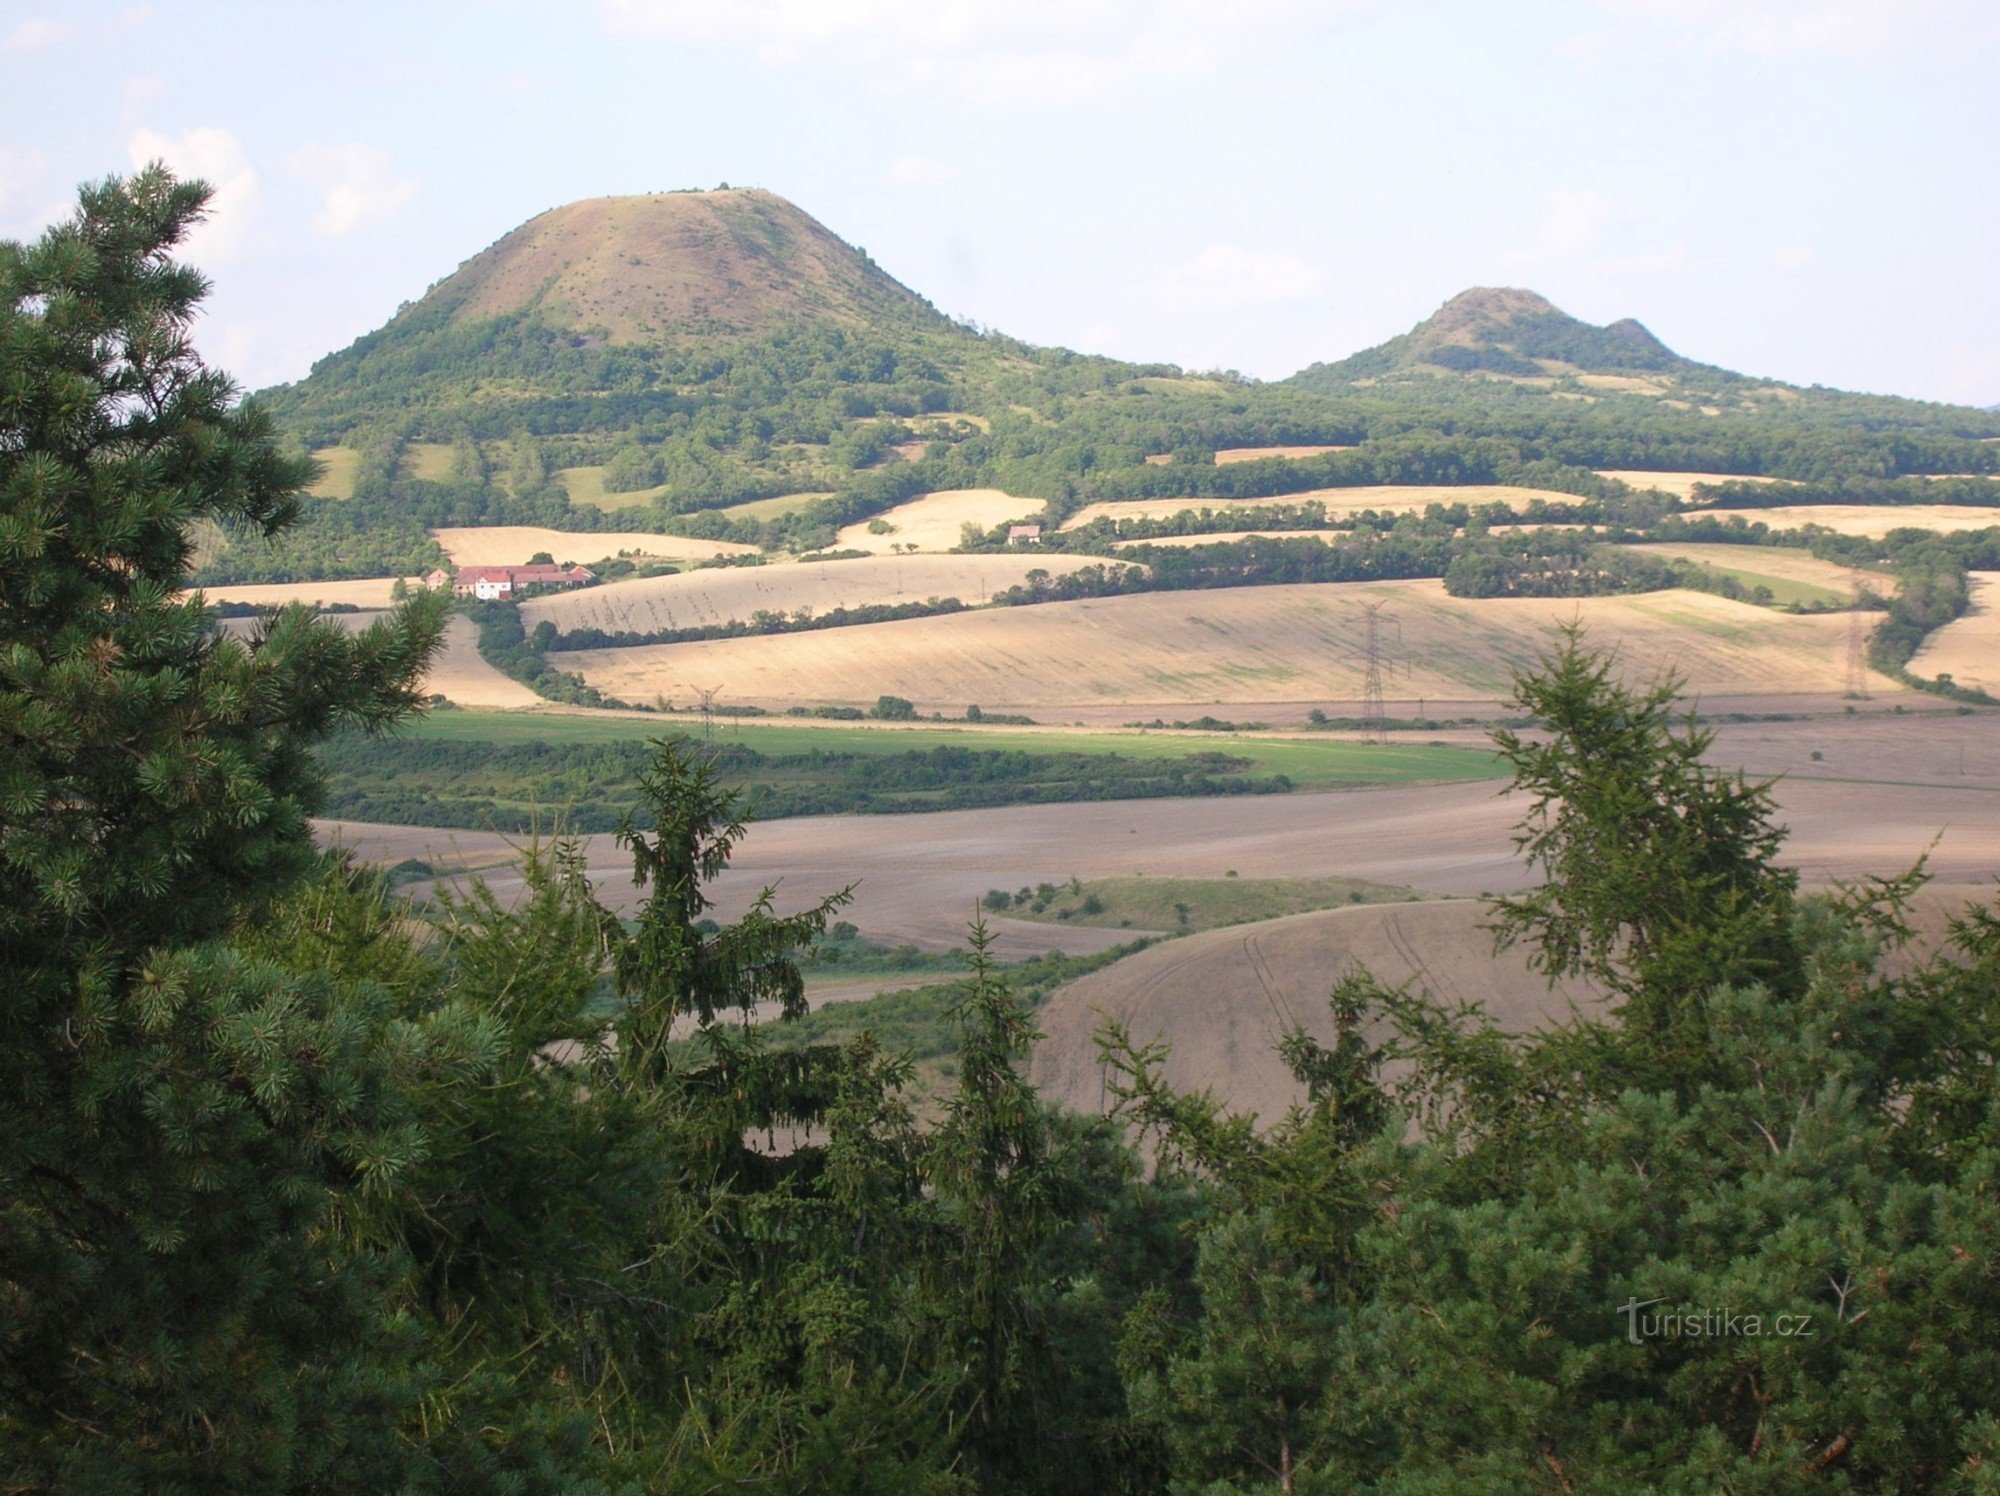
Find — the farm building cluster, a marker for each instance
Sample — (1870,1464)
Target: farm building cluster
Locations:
(496,583)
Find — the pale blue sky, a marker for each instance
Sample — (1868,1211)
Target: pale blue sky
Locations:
(1798,188)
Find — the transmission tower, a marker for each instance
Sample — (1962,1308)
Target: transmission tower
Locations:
(1373,622)
(707,694)
(1857,656)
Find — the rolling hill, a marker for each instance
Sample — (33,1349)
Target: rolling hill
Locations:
(1507,331)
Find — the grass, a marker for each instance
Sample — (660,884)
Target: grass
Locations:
(784,503)
(431,460)
(337,481)
(1306,761)
(1784,590)
(586,486)
(1186,904)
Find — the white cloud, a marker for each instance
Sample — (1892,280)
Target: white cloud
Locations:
(358,183)
(920,171)
(1864,30)
(218,158)
(1226,275)
(1013,51)
(1793,256)
(35,33)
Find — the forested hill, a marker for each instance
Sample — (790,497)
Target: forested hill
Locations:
(1509,332)
(722,365)
(641,302)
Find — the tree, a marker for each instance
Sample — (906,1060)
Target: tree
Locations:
(177,1121)
(670,966)
(1661,875)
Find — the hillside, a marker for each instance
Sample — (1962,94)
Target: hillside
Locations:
(1506,331)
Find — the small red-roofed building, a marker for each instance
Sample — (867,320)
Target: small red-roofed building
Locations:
(497,583)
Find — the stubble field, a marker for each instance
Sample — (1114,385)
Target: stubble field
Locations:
(1243,645)
(935,521)
(717,595)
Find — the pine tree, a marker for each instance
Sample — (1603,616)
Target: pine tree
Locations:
(176,1120)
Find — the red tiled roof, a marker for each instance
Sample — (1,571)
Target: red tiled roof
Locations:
(541,571)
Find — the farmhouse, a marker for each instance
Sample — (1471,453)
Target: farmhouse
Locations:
(494,582)
(1024,534)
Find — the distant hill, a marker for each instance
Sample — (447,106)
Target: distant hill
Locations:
(1510,332)
(728,263)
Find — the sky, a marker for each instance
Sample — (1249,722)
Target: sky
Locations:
(1799,189)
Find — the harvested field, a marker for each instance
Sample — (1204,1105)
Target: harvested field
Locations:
(1872,520)
(1680,485)
(369,592)
(1226,455)
(1968,648)
(716,595)
(1250,644)
(934,522)
(1225,998)
(1384,498)
(462,676)
(512,545)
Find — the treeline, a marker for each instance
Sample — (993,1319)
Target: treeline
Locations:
(1975,491)
(523,787)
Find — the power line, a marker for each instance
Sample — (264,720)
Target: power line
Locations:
(707,694)
(1373,620)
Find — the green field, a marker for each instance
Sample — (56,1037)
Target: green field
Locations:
(1784,590)
(1307,761)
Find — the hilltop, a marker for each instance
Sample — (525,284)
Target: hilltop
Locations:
(1511,332)
(732,262)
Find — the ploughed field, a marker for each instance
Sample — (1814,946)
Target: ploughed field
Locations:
(1882,789)
(1238,645)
